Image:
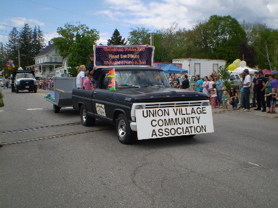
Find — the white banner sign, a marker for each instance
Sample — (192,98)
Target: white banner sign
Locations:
(172,122)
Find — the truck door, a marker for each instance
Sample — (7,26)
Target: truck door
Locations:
(102,99)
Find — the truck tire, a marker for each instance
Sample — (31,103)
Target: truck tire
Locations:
(56,108)
(16,90)
(124,133)
(85,119)
(35,90)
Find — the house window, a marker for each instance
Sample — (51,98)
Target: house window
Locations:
(50,69)
(55,58)
(50,59)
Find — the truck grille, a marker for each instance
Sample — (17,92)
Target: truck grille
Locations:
(27,82)
(173,104)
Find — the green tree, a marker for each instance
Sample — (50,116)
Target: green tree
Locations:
(247,53)
(76,41)
(80,51)
(225,75)
(37,41)
(12,46)
(116,39)
(266,47)
(26,55)
(139,36)
(198,41)
(25,38)
(168,42)
(224,36)
(3,61)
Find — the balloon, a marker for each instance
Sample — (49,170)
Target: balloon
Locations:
(10,64)
(243,64)
(237,63)
(232,67)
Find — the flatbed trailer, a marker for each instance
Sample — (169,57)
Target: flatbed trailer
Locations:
(62,95)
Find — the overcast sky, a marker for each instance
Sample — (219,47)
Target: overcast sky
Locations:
(106,15)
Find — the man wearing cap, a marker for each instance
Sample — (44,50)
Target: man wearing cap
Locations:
(260,86)
(246,90)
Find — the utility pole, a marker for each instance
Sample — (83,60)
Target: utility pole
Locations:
(151,39)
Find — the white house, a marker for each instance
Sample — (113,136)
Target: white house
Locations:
(47,60)
(202,67)
(63,70)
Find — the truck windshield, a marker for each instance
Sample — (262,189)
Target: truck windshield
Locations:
(24,76)
(141,79)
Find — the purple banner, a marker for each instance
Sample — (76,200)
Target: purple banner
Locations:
(123,55)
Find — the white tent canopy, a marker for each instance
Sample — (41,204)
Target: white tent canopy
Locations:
(240,69)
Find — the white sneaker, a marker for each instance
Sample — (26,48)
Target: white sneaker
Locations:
(246,110)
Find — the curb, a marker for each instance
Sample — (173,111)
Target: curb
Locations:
(253,112)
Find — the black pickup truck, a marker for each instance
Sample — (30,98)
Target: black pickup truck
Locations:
(142,101)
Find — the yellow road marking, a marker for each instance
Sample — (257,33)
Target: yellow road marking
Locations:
(42,94)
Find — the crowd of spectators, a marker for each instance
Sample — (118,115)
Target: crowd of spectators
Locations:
(264,90)
(46,83)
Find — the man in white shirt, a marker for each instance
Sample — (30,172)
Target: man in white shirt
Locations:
(246,93)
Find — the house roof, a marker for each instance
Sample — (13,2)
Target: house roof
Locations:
(46,50)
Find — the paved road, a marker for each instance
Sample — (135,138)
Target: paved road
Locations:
(63,164)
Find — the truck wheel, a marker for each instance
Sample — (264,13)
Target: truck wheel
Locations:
(85,119)
(16,90)
(124,133)
(56,108)
(35,90)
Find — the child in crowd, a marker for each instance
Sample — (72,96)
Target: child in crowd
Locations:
(213,96)
(273,97)
(225,98)
(233,98)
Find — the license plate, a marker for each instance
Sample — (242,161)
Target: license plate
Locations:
(26,86)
